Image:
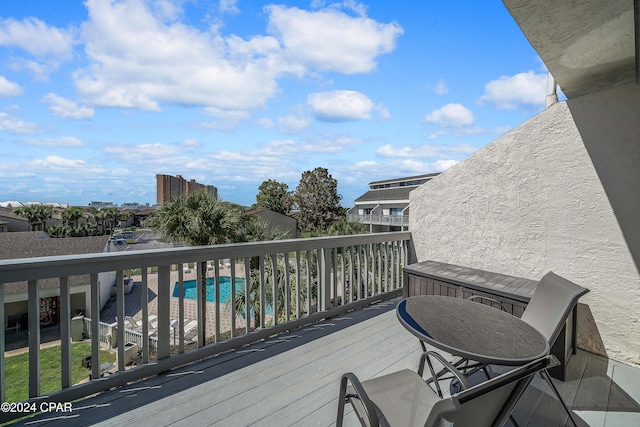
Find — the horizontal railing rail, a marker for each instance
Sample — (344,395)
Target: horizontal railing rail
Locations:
(254,290)
(379,219)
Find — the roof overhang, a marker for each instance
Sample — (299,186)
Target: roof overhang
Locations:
(587,45)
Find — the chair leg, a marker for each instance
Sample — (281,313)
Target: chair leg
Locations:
(545,374)
(342,398)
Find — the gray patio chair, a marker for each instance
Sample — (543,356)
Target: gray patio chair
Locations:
(553,301)
(403,398)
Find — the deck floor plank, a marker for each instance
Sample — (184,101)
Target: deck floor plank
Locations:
(293,380)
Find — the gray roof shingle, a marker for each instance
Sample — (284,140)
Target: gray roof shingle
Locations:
(35,244)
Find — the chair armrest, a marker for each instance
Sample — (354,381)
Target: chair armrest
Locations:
(360,394)
(475,297)
(424,357)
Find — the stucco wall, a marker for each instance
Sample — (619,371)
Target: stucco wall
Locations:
(528,203)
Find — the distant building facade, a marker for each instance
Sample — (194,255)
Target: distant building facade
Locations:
(385,207)
(170,187)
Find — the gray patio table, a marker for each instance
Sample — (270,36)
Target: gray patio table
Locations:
(471,330)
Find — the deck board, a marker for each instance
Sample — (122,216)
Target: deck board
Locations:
(293,380)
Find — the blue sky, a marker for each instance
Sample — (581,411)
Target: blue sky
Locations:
(98,97)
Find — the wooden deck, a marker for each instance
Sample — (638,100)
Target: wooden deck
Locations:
(293,379)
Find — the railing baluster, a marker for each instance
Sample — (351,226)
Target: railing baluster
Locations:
(34,338)
(232,278)
(144,300)
(120,313)
(95,326)
(164,307)
(247,294)
(201,299)
(351,274)
(65,332)
(298,286)
(181,323)
(216,272)
(274,287)
(308,265)
(287,288)
(262,291)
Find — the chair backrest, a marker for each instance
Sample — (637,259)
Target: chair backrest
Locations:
(551,304)
(489,403)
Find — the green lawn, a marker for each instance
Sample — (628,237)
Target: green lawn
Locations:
(17,370)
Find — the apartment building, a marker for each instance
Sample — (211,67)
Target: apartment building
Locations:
(385,207)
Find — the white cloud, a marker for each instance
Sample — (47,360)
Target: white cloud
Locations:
(509,92)
(265,122)
(36,38)
(332,40)
(451,115)
(227,119)
(48,45)
(8,88)
(442,165)
(229,6)
(426,150)
(340,106)
(144,152)
(13,124)
(66,108)
(441,87)
(292,124)
(383,113)
(140,58)
(63,141)
(64,165)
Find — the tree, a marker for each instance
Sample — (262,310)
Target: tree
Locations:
(344,227)
(37,215)
(100,216)
(274,195)
(71,215)
(256,229)
(111,215)
(317,199)
(198,219)
(59,231)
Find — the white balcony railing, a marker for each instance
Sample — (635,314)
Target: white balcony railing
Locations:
(378,219)
(311,279)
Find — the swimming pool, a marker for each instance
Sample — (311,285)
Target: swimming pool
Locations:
(191,290)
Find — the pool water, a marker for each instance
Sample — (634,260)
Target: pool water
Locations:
(191,289)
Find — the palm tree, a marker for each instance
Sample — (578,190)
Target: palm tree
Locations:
(100,217)
(71,215)
(59,231)
(37,215)
(198,219)
(256,229)
(344,227)
(111,215)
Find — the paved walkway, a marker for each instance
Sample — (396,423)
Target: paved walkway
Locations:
(133,307)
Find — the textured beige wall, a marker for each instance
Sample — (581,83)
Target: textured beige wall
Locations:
(531,202)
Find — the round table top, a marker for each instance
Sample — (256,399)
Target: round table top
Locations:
(471,330)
